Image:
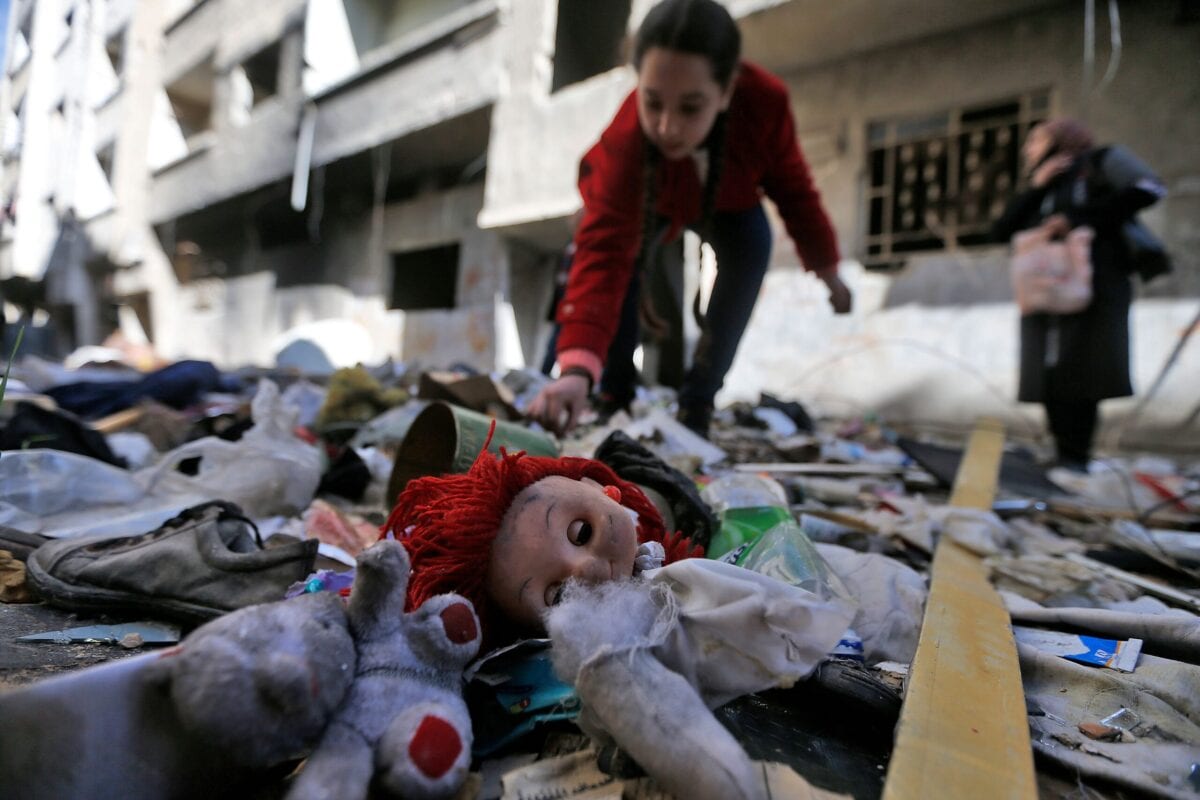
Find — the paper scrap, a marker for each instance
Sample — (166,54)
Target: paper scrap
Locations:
(1112,653)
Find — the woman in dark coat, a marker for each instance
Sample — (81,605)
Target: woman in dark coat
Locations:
(1070,362)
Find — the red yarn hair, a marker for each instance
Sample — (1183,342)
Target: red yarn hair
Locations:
(448,523)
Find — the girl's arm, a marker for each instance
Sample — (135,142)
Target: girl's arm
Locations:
(606,248)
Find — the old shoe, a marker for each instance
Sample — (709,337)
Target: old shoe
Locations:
(204,562)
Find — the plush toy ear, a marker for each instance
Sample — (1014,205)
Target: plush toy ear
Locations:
(380,583)
(445,630)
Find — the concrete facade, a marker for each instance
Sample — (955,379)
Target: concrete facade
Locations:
(238,171)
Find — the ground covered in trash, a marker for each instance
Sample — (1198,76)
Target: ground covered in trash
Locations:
(1099,571)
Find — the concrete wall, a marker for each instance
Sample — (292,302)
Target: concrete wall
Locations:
(347,276)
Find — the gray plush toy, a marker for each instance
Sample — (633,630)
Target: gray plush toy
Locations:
(378,691)
(262,683)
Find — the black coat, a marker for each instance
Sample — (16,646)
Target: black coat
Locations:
(1083,356)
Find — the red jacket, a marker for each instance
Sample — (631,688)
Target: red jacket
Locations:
(761,155)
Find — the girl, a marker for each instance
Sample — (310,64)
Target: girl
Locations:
(696,145)
(1070,362)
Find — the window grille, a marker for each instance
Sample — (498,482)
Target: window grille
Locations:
(936,182)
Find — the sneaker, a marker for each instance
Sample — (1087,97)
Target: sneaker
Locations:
(606,404)
(205,562)
(20,543)
(697,419)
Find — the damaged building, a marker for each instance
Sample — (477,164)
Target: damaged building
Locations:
(237,181)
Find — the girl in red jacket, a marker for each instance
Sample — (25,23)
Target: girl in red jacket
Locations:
(696,145)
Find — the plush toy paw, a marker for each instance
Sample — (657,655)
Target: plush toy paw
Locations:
(425,752)
(263,682)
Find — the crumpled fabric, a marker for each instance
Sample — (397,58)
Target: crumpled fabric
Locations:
(649,658)
(1163,696)
(1169,630)
(729,631)
(891,601)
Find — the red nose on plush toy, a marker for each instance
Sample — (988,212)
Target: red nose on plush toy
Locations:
(613,492)
(435,746)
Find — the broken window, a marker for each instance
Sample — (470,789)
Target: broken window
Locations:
(588,40)
(262,73)
(425,279)
(114,48)
(376,22)
(104,157)
(191,98)
(937,182)
(22,42)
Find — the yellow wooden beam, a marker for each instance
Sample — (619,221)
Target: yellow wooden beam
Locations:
(963,731)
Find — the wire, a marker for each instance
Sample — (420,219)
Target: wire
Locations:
(1089,51)
(1144,517)
(1114,50)
(1031,427)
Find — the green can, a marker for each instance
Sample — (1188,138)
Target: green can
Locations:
(445,438)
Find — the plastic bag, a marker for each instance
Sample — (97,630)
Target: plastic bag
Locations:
(267,472)
(46,482)
(61,494)
(1052,276)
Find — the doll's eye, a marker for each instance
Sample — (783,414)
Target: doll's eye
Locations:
(553,594)
(579,533)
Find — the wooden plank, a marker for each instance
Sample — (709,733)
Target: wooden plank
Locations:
(963,731)
(120,420)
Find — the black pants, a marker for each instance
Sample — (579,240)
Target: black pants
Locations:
(741,241)
(1072,423)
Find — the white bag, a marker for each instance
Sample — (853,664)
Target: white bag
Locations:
(267,472)
(1052,276)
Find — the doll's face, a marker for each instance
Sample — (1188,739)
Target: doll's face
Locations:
(556,529)
(678,100)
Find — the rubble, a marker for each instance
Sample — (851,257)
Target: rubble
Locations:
(1107,559)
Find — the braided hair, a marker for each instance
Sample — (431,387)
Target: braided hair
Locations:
(703,28)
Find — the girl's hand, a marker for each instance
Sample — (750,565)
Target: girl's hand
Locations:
(1058,225)
(1048,170)
(839,294)
(557,407)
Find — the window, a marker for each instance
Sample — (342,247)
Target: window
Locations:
(425,279)
(937,182)
(114,48)
(191,98)
(22,42)
(588,39)
(262,72)
(104,157)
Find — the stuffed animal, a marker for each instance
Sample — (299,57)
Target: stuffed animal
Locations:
(403,719)
(262,682)
(375,690)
